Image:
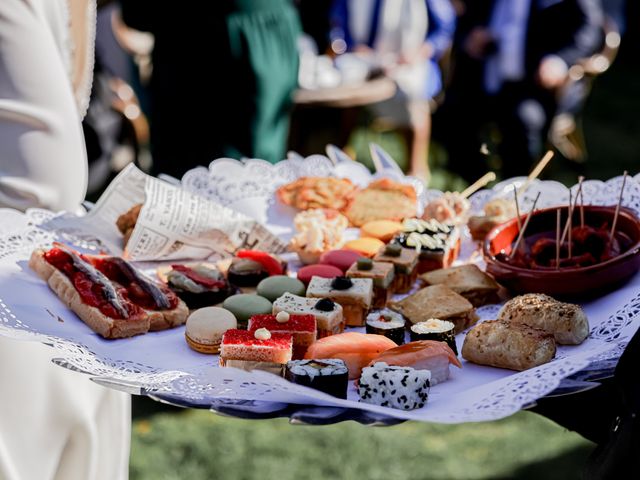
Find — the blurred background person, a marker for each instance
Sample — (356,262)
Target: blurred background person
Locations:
(223,75)
(53,423)
(115,127)
(511,58)
(406,39)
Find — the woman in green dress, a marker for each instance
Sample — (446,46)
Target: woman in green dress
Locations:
(223,75)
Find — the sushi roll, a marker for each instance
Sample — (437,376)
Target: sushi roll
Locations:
(397,387)
(434,329)
(329,375)
(199,285)
(387,323)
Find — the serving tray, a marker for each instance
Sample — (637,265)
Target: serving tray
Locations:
(162,366)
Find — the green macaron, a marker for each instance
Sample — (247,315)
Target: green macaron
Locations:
(244,306)
(274,287)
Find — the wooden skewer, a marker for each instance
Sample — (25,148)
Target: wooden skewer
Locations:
(478,184)
(537,170)
(580,192)
(515,199)
(615,216)
(572,206)
(557,239)
(570,221)
(524,227)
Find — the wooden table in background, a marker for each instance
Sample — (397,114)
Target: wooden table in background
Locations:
(329,115)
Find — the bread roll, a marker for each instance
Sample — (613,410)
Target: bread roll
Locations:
(504,345)
(565,321)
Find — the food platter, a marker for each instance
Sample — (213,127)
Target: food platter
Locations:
(162,366)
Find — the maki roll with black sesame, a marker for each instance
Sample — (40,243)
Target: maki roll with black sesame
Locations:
(403,388)
(329,375)
(387,323)
(434,329)
(199,286)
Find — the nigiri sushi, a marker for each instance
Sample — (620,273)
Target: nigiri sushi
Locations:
(355,349)
(422,355)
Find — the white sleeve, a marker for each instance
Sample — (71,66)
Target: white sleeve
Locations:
(42,154)
(57,424)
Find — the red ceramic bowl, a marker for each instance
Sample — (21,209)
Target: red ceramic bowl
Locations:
(567,281)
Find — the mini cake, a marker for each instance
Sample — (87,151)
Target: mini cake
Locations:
(259,350)
(387,323)
(329,375)
(437,243)
(301,327)
(329,315)
(245,273)
(341,259)
(382,275)
(367,247)
(383,230)
(250,266)
(397,387)
(318,270)
(205,327)
(274,287)
(434,329)
(354,294)
(199,285)
(405,263)
(245,306)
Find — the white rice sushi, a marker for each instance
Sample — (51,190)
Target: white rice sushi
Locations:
(397,387)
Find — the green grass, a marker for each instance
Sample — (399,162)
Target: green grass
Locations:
(197,445)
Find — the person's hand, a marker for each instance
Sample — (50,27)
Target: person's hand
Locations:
(363,50)
(479,43)
(552,72)
(420,54)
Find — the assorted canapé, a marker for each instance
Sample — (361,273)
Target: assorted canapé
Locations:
(414,311)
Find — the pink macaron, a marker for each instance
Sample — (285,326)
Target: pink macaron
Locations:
(318,270)
(341,259)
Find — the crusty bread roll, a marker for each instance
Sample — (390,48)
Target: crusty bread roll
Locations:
(513,346)
(93,317)
(565,321)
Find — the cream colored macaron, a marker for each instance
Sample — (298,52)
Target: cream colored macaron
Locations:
(205,327)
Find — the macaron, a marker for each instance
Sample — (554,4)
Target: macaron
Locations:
(318,270)
(274,287)
(205,327)
(383,230)
(246,305)
(367,247)
(341,259)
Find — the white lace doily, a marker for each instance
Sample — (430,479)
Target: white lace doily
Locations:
(162,363)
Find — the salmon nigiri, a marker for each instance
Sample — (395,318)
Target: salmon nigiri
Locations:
(355,349)
(422,355)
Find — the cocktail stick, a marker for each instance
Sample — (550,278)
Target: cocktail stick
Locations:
(524,227)
(615,216)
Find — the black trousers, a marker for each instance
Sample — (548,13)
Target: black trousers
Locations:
(516,119)
(608,415)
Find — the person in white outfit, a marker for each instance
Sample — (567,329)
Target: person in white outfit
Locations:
(54,423)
